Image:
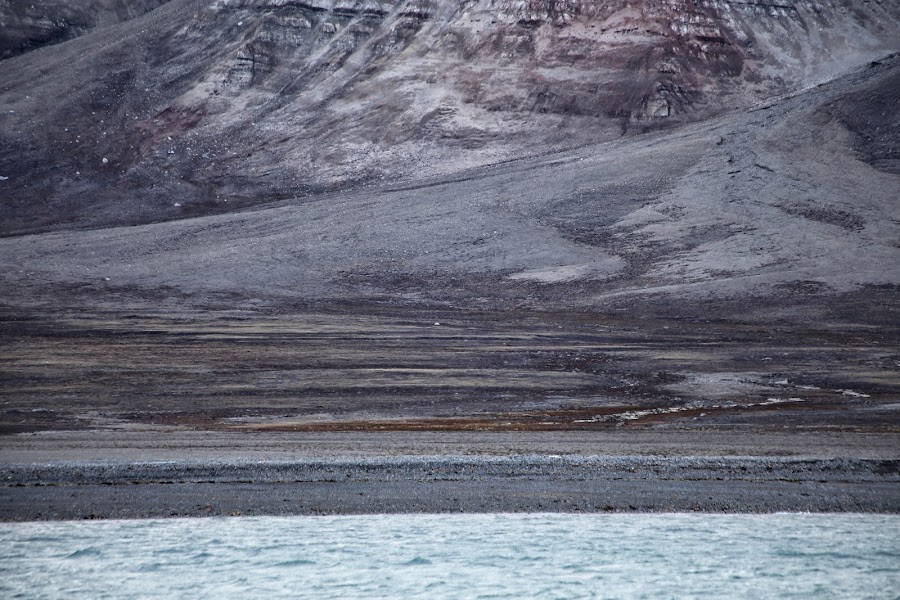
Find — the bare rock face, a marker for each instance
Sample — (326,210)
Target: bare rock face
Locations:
(202,106)
(26,25)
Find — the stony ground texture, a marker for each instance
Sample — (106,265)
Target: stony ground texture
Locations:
(129,475)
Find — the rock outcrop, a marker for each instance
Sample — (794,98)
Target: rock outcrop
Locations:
(221,103)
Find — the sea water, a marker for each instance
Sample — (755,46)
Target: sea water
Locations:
(462,556)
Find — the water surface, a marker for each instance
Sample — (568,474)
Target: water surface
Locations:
(461,556)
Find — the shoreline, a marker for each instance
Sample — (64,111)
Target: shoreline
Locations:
(300,475)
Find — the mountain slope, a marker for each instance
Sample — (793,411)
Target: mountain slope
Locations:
(740,217)
(26,26)
(202,106)
(310,216)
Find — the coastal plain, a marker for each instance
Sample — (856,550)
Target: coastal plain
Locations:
(442,412)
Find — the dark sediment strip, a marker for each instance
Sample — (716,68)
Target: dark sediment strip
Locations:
(448,484)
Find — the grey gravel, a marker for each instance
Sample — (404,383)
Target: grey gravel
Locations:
(438,484)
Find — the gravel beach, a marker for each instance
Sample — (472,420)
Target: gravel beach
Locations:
(85,475)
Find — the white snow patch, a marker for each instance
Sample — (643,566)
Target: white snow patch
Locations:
(632,415)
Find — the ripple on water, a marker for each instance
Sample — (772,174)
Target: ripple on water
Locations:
(462,556)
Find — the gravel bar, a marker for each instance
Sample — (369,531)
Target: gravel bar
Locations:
(443,484)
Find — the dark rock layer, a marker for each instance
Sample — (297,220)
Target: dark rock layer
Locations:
(27,26)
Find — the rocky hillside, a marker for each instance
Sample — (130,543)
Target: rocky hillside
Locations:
(202,106)
(786,211)
(26,26)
